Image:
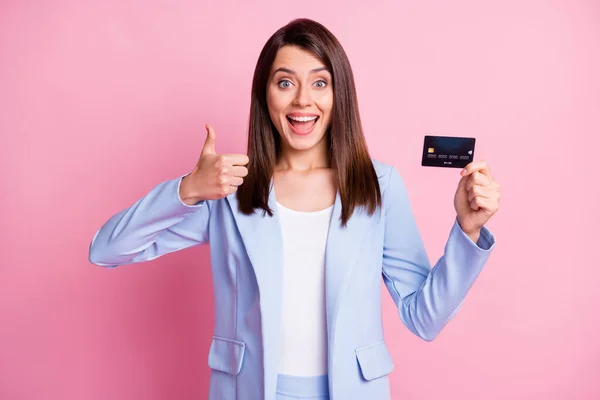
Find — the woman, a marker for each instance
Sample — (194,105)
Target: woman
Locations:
(301,231)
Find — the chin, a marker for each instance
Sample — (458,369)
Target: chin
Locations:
(302,146)
(303,143)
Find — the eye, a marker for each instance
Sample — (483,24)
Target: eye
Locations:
(321,84)
(284,83)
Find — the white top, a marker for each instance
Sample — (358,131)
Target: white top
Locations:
(303,319)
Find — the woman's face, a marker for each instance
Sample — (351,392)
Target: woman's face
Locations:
(299,98)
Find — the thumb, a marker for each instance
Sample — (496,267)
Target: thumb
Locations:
(209,144)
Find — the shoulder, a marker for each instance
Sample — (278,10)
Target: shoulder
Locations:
(394,193)
(387,175)
(382,169)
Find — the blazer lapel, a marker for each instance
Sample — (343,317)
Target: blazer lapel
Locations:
(341,255)
(263,242)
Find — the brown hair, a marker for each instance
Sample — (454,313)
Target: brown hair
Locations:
(349,158)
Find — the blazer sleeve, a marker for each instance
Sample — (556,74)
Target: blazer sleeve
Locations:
(157,224)
(427,298)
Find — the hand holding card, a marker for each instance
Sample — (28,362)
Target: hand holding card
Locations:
(478,195)
(477,198)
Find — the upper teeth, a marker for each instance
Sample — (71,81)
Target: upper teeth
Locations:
(304,119)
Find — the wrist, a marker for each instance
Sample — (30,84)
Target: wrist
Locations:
(472,232)
(186,193)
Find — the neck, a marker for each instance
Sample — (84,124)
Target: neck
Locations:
(303,160)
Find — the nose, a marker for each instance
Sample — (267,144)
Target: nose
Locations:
(303,96)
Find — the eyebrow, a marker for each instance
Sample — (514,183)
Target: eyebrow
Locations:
(291,72)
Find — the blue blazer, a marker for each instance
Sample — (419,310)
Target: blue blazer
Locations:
(246,258)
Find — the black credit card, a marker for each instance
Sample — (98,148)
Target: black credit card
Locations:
(447,151)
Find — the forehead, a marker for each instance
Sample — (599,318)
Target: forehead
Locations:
(297,59)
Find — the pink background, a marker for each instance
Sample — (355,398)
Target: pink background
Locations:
(100,102)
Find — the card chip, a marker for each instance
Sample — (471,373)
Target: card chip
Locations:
(431,150)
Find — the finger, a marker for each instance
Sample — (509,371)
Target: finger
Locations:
(209,144)
(474,166)
(487,205)
(239,171)
(477,179)
(230,189)
(236,181)
(482,191)
(236,159)
(475,203)
(479,203)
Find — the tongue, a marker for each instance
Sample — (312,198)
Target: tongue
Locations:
(303,126)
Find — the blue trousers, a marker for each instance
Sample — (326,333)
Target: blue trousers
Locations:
(302,387)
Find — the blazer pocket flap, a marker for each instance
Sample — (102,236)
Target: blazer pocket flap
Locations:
(375,360)
(226,355)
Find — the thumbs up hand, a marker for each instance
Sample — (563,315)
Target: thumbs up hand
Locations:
(215,175)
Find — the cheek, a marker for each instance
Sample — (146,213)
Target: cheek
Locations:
(326,106)
(326,102)
(273,107)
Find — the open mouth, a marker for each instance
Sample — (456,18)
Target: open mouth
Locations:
(299,121)
(304,124)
